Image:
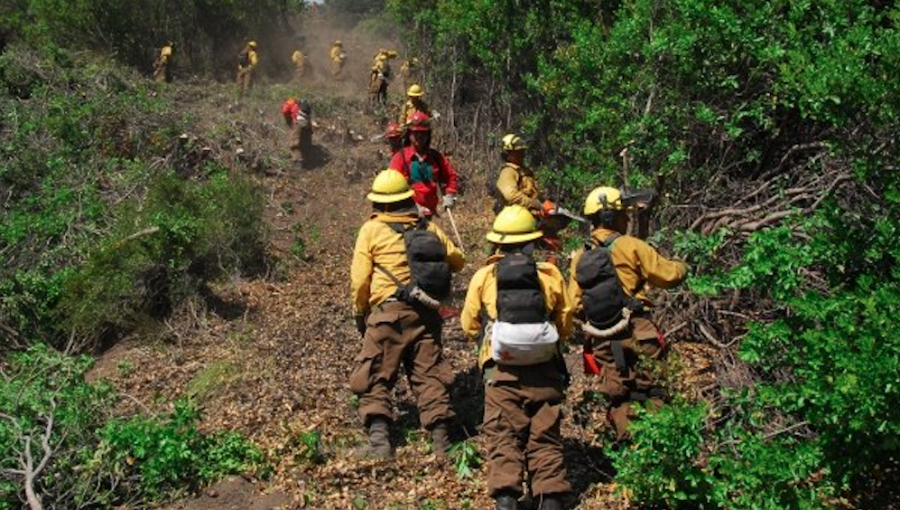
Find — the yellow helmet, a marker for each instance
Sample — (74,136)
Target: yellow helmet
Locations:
(515,224)
(513,142)
(603,198)
(415,90)
(338,43)
(388,187)
(252,44)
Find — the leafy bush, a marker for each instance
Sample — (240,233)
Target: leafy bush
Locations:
(95,233)
(97,460)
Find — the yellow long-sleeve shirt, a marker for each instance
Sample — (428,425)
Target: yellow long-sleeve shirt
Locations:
(337,54)
(378,242)
(637,264)
(517,185)
(482,295)
(410,108)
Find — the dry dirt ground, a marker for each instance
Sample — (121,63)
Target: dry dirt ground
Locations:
(270,356)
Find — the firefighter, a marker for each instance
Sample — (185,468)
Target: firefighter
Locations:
(247,62)
(414,103)
(297,114)
(519,310)
(608,290)
(516,183)
(161,71)
(299,61)
(426,169)
(337,56)
(380,77)
(409,71)
(399,324)
(394,136)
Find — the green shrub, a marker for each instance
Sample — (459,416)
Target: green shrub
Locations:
(98,460)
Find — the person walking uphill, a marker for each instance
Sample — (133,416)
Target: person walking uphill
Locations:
(607,290)
(337,57)
(297,115)
(401,269)
(161,72)
(425,168)
(247,62)
(519,310)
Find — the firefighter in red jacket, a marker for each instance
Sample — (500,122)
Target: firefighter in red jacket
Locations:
(425,168)
(297,114)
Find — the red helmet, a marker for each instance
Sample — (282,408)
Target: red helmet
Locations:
(393,131)
(420,121)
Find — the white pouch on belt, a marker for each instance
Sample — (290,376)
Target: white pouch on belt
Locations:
(523,344)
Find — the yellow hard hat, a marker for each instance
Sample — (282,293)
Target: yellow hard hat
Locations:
(603,198)
(515,224)
(415,90)
(388,187)
(513,142)
(338,43)
(252,44)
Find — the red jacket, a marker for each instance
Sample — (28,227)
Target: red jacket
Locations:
(425,173)
(290,109)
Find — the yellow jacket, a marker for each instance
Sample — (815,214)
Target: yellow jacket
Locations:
(482,295)
(252,57)
(517,185)
(165,53)
(412,107)
(297,57)
(637,264)
(337,54)
(378,242)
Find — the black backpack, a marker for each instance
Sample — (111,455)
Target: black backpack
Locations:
(603,298)
(427,258)
(520,299)
(244,58)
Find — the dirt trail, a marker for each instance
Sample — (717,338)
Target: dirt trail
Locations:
(270,356)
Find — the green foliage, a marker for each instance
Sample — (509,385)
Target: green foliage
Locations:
(94,235)
(99,460)
(466,458)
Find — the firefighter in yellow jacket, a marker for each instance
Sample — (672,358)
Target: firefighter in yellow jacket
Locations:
(161,71)
(248,59)
(608,290)
(300,64)
(516,184)
(401,269)
(338,57)
(519,310)
(415,102)
(380,77)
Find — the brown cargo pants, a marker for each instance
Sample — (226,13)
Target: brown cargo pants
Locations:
(244,80)
(634,383)
(522,416)
(396,333)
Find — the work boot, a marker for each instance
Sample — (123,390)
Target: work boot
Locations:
(440,439)
(379,439)
(507,502)
(549,502)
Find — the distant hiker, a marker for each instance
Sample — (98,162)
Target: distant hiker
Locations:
(380,77)
(337,56)
(247,62)
(516,184)
(608,291)
(415,102)
(299,61)
(410,71)
(394,136)
(519,311)
(425,168)
(161,71)
(401,269)
(297,114)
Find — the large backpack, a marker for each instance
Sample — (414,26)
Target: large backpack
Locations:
(522,333)
(604,298)
(244,58)
(428,267)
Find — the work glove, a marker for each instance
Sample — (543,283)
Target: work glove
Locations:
(449,201)
(360,323)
